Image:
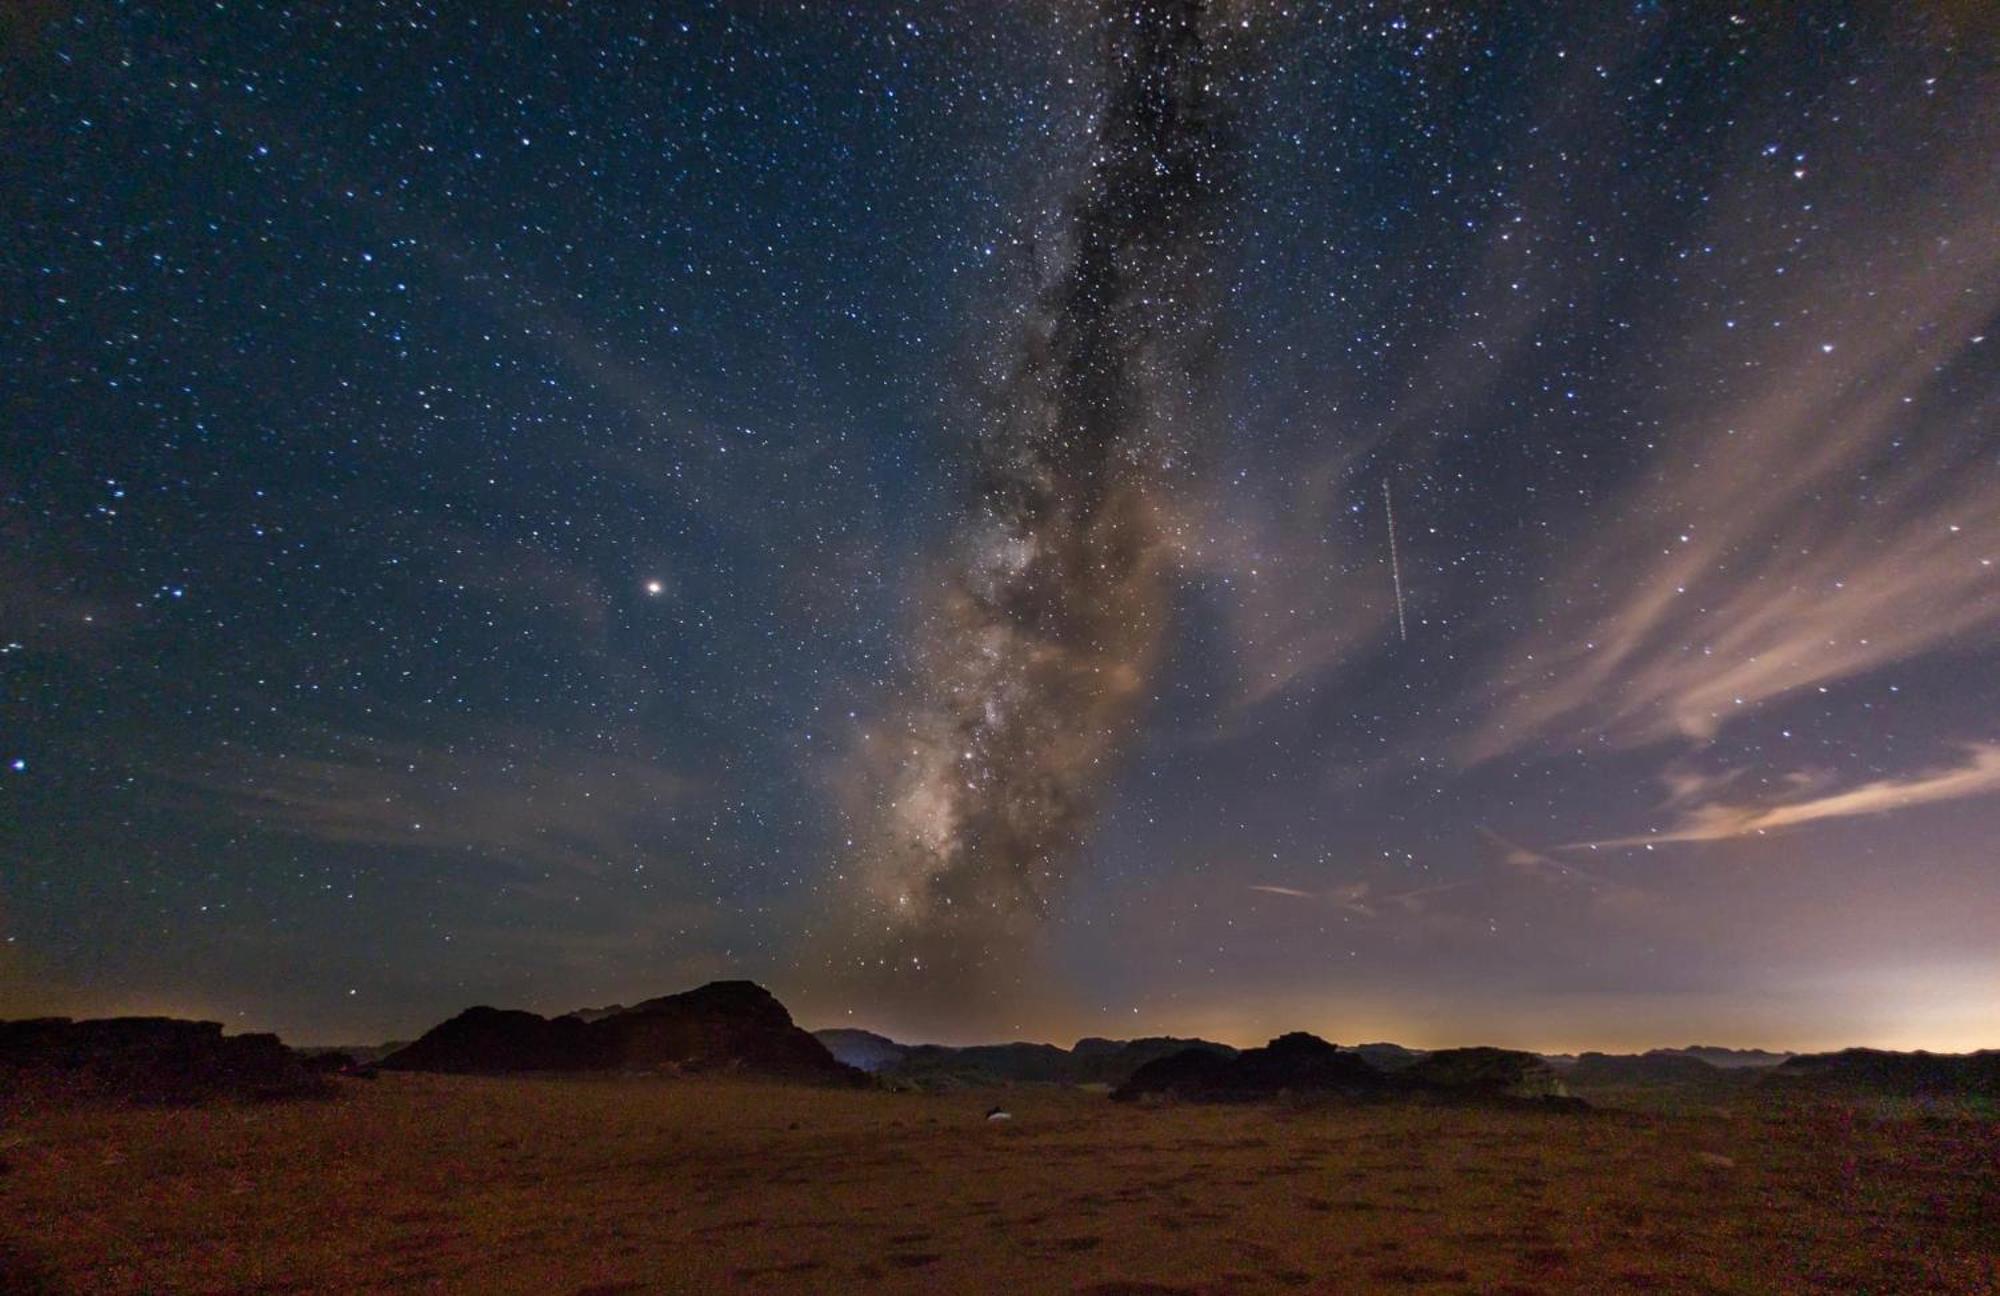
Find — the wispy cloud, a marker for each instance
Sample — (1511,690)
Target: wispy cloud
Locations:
(1824,513)
(1716,815)
(1535,865)
(523,804)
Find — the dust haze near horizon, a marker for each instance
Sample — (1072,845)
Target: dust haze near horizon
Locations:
(549,511)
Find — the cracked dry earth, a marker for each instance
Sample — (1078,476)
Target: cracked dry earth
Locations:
(588,1187)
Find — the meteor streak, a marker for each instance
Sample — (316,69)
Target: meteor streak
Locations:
(1395,567)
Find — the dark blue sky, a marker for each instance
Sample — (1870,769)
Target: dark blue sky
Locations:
(481,499)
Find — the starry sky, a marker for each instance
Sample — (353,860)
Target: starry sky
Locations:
(548,506)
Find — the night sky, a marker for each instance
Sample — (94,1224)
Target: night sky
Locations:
(893,501)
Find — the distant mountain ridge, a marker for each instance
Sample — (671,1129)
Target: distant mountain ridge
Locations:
(735,1026)
(863,1050)
(738,1026)
(1302,1064)
(1661,1066)
(1092,1060)
(1724,1057)
(1877,1071)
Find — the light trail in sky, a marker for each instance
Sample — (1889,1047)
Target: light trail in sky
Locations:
(1395,566)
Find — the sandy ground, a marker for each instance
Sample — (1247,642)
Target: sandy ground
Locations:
(635,1185)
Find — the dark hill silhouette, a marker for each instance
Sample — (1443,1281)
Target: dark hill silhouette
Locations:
(1491,1072)
(1294,1063)
(722,1026)
(941,1066)
(1385,1056)
(494,1041)
(148,1060)
(1113,1062)
(1877,1071)
(1304,1064)
(1658,1067)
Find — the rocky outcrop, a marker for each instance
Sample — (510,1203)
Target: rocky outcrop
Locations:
(1113,1062)
(148,1060)
(940,1066)
(495,1041)
(1304,1065)
(1485,1072)
(1297,1064)
(1386,1057)
(725,1026)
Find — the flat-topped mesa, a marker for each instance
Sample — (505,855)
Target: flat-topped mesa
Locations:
(725,1026)
(148,1060)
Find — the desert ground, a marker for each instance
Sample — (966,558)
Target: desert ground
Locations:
(608,1185)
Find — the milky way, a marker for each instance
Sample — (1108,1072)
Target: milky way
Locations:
(548,507)
(1045,637)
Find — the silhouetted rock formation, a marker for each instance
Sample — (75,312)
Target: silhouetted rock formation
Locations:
(941,1066)
(1875,1071)
(492,1041)
(1302,1064)
(1490,1072)
(1113,1062)
(148,1059)
(1385,1056)
(1297,1063)
(722,1026)
(1658,1067)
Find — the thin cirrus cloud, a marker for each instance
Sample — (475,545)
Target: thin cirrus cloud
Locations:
(1814,521)
(1713,813)
(531,807)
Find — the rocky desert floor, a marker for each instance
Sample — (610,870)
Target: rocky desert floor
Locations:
(575,1186)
